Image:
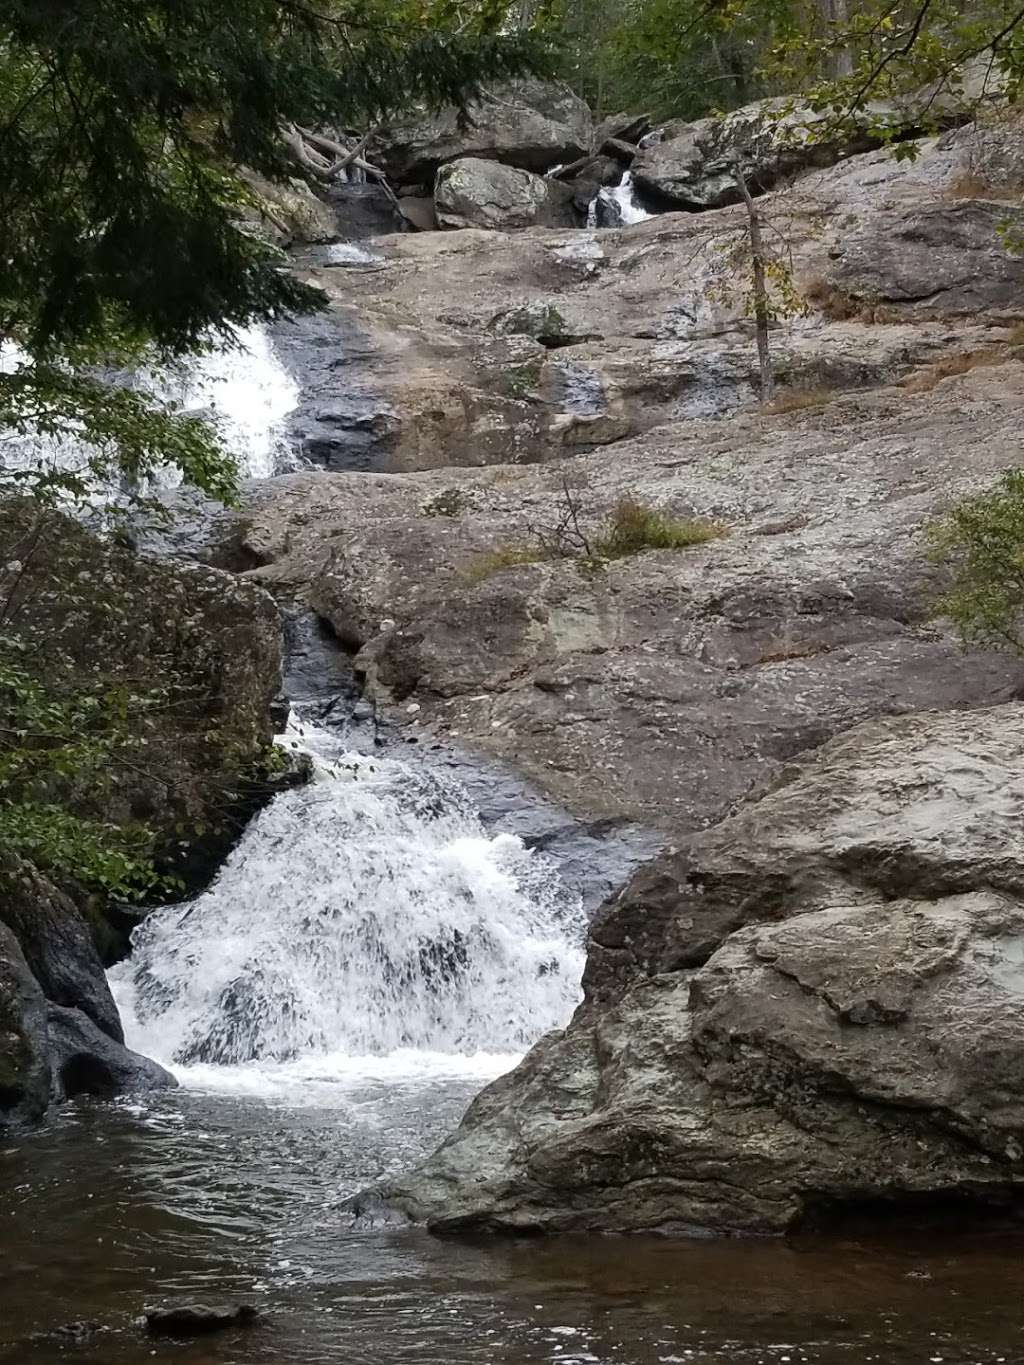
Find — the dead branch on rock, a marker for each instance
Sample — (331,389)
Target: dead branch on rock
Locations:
(565,537)
(328,159)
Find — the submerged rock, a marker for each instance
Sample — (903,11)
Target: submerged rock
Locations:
(186,1318)
(818,1004)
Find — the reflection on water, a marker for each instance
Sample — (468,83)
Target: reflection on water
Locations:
(107,1208)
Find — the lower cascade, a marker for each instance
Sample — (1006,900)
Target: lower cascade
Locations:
(364,914)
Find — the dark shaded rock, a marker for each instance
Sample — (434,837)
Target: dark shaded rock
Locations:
(361,211)
(58,946)
(24,1062)
(186,1318)
(418,211)
(203,643)
(85,1061)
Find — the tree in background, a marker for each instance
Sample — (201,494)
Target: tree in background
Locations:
(122,126)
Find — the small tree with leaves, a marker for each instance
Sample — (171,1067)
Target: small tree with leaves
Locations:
(979,543)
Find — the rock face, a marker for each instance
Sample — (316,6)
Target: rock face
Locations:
(202,651)
(201,643)
(530,124)
(24,1063)
(817,1003)
(696,164)
(718,663)
(472,192)
(60,1034)
(894,266)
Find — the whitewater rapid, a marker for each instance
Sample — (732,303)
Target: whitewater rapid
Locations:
(367,926)
(242,389)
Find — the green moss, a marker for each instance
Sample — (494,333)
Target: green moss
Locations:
(449,502)
(521,381)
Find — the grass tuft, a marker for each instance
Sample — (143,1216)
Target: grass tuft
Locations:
(925,380)
(633,527)
(486,565)
(792,400)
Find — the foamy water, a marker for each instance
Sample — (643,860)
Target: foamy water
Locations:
(366,927)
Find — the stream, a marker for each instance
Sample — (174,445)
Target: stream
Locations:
(383,942)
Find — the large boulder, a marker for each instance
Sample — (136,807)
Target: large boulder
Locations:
(197,649)
(818,1004)
(58,946)
(696,164)
(472,192)
(531,124)
(86,1061)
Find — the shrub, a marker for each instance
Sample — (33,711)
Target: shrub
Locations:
(980,543)
(449,502)
(633,527)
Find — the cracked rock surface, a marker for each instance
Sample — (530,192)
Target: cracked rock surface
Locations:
(818,1003)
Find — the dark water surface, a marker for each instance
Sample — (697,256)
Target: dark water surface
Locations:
(107,1208)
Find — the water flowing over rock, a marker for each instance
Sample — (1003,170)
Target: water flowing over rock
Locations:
(818,1003)
(243,390)
(718,664)
(409,928)
(617,205)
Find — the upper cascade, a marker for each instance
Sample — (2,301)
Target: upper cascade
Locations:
(244,390)
(366,913)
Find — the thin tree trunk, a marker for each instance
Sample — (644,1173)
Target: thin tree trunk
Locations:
(761,310)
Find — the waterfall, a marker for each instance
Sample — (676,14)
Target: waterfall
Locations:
(366,915)
(617,206)
(244,391)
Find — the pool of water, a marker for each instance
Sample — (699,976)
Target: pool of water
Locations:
(226,1192)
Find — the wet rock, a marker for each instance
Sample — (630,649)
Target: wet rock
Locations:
(361,211)
(671,684)
(24,1059)
(58,945)
(85,1061)
(189,1318)
(531,124)
(823,1008)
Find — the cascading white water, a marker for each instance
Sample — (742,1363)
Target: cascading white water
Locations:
(244,391)
(365,915)
(621,207)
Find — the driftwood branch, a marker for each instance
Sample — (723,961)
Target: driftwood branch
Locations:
(328,160)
